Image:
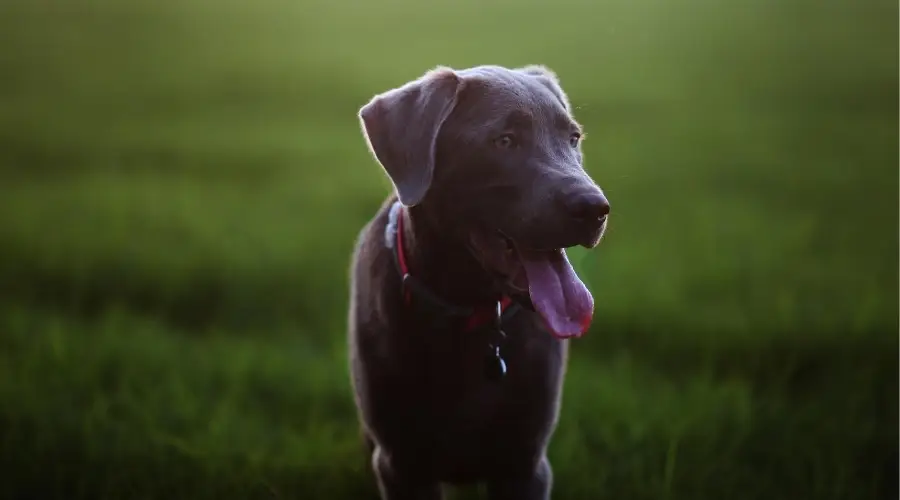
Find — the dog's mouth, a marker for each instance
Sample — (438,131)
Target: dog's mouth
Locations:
(556,292)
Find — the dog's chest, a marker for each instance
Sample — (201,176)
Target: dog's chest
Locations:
(466,418)
(461,403)
(455,363)
(459,382)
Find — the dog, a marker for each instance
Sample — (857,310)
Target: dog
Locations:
(462,297)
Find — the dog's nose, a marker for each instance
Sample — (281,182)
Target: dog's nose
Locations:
(588,206)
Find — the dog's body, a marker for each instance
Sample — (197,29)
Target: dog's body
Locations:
(427,405)
(425,401)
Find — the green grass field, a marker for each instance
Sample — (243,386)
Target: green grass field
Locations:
(181,183)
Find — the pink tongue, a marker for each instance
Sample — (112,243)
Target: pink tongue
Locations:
(557,293)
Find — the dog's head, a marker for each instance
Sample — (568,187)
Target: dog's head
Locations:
(494,156)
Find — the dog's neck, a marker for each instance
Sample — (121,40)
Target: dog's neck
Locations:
(442,261)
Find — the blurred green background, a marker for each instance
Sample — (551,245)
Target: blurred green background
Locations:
(181,182)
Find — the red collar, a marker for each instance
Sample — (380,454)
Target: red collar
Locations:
(476,317)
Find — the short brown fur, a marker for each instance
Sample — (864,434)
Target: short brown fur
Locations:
(426,408)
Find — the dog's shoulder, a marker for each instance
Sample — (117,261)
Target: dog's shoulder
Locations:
(372,269)
(370,241)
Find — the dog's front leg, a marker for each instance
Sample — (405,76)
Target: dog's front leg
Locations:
(396,482)
(532,485)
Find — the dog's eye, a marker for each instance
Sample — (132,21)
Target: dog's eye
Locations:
(574,139)
(505,141)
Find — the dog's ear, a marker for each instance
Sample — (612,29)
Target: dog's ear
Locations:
(401,127)
(550,80)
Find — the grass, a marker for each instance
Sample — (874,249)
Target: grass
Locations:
(181,184)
